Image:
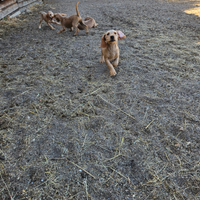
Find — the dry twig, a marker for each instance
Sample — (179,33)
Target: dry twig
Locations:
(75,165)
(117,107)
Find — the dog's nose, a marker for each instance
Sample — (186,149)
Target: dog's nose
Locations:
(112,37)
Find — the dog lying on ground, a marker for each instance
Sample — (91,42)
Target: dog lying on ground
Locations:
(48,18)
(89,21)
(110,49)
(70,22)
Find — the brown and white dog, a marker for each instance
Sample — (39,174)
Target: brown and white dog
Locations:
(48,18)
(89,21)
(70,22)
(110,49)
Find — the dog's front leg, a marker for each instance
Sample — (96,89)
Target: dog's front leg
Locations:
(102,58)
(51,26)
(56,22)
(116,62)
(40,22)
(62,30)
(86,27)
(110,67)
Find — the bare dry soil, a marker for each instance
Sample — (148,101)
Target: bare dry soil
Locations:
(70,131)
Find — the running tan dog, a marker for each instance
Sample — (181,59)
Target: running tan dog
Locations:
(89,21)
(110,49)
(48,18)
(70,22)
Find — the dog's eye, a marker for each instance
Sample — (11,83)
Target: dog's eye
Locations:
(108,33)
(115,33)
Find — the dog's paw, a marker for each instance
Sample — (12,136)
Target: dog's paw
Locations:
(113,73)
(115,64)
(101,60)
(75,34)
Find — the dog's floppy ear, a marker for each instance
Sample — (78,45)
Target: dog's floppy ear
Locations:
(103,42)
(87,18)
(57,16)
(121,36)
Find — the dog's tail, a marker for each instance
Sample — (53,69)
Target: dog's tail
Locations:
(77,9)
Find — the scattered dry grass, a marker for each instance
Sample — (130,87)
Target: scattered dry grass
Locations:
(12,21)
(69,131)
(34,7)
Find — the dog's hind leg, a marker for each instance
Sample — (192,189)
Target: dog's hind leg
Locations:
(95,25)
(84,25)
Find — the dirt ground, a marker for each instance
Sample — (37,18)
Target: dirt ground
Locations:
(70,131)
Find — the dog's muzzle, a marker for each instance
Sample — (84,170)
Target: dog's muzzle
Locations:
(112,38)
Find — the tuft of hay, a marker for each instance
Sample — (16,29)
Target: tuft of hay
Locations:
(34,7)
(12,21)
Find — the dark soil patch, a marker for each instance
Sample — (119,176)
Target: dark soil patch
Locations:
(70,131)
